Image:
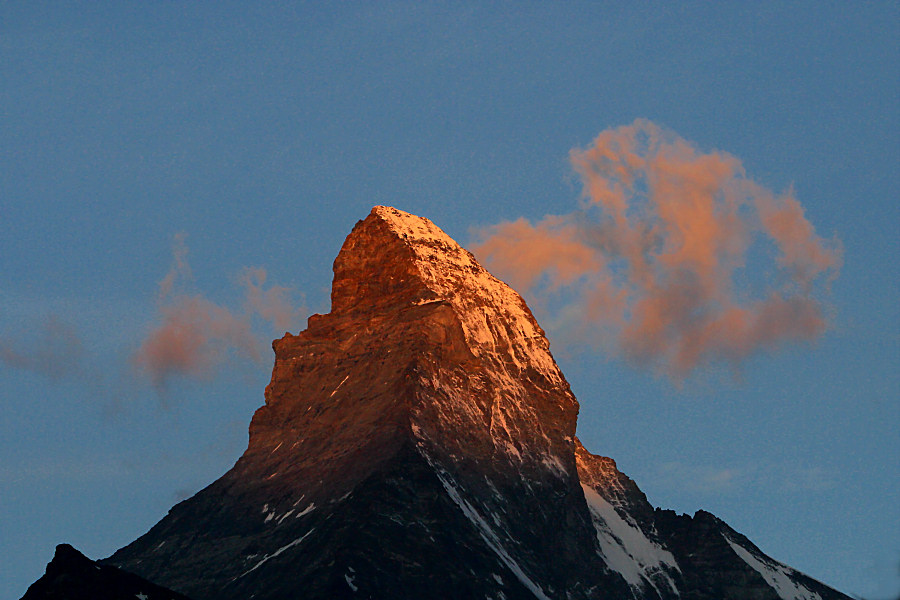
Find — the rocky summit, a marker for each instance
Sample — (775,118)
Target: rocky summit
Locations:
(419,442)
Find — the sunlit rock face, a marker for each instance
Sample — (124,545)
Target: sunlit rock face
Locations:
(419,442)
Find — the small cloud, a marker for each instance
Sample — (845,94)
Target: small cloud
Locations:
(703,479)
(54,350)
(787,478)
(195,335)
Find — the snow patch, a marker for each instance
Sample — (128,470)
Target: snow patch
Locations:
(339,386)
(553,463)
(349,581)
(626,549)
(490,538)
(307,510)
(778,576)
(277,552)
(512,451)
(424,301)
(342,498)
(285,516)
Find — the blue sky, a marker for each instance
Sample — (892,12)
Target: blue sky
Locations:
(264,133)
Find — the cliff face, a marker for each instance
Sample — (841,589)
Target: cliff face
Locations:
(419,442)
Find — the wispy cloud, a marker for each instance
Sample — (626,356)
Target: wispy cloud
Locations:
(66,468)
(706,479)
(272,304)
(703,479)
(655,263)
(195,334)
(54,349)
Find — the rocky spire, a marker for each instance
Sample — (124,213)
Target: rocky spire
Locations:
(393,258)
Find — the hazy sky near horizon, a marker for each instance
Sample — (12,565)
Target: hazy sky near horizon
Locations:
(174,167)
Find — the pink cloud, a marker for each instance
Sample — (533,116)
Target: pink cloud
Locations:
(649,261)
(195,335)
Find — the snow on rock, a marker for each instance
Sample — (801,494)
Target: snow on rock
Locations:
(277,552)
(776,575)
(626,549)
(554,464)
(344,380)
(349,581)
(489,536)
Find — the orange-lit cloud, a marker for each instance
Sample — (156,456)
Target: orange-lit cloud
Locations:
(195,334)
(655,259)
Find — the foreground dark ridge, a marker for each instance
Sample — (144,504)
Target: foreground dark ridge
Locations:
(73,576)
(419,442)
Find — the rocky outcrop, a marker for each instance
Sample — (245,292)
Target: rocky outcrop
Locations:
(419,442)
(73,576)
(665,555)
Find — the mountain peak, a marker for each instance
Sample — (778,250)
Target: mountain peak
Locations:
(393,259)
(410,226)
(380,261)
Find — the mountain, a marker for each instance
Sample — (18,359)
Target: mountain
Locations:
(73,576)
(419,442)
